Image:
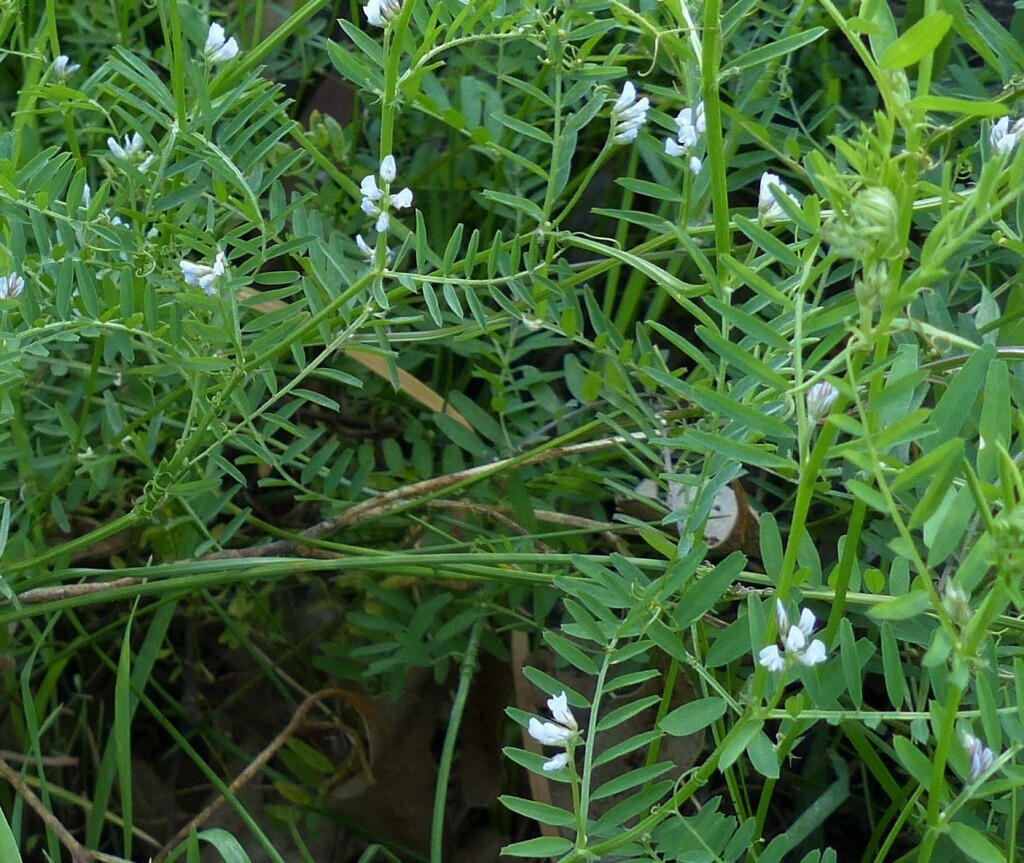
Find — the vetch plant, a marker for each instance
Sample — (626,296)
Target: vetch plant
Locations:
(63,67)
(1004,137)
(691,125)
(11,286)
(982,758)
(378,200)
(768,208)
(572,318)
(380,13)
(795,644)
(219,48)
(562,732)
(629,113)
(820,398)
(205,276)
(132,151)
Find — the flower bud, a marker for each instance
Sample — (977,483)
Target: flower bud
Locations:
(820,399)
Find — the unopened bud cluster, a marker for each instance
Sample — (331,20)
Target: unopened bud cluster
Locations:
(1008,542)
(871,230)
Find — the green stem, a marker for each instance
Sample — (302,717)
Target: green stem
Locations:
(466,672)
(710,57)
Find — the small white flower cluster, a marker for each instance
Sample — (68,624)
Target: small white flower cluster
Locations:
(795,645)
(11,286)
(133,151)
(380,13)
(628,114)
(982,758)
(219,49)
(562,732)
(204,276)
(690,125)
(771,188)
(63,67)
(1005,137)
(820,399)
(378,199)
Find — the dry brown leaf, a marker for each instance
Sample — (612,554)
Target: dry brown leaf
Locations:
(374,362)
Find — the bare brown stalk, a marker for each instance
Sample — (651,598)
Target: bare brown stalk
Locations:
(252,769)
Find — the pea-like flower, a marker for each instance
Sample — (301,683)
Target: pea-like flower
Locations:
(380,13)
(820,399)
(1005,137)
(203,275)
(64,68)
(768,208)
(378,200)
(11,286)
(370,253)
(559,707)
(550,733)
(133,150)
(219,49)
(562,732)
(982,758)
(795,646)
(690,128)
(558,762)
(628,114)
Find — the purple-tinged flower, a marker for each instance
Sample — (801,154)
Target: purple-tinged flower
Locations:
(11,286)
(64,68)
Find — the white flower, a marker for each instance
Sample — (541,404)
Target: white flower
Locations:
(562,732)
(794,643)
(369,252)
(767,197)
(690,127)
(371,194)
(64,68)
(11,286)
(820,399)
(402,200)
(380,13)
(957,604)
(695,165)
(218,49)
(204,276)
(363,247)
(771,658)
(559,707)
(133,148)
(781,615)
(982,757)
(1005,137)
(559,762)
(86,196)
(628,114)
(378,201)
(550,733)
